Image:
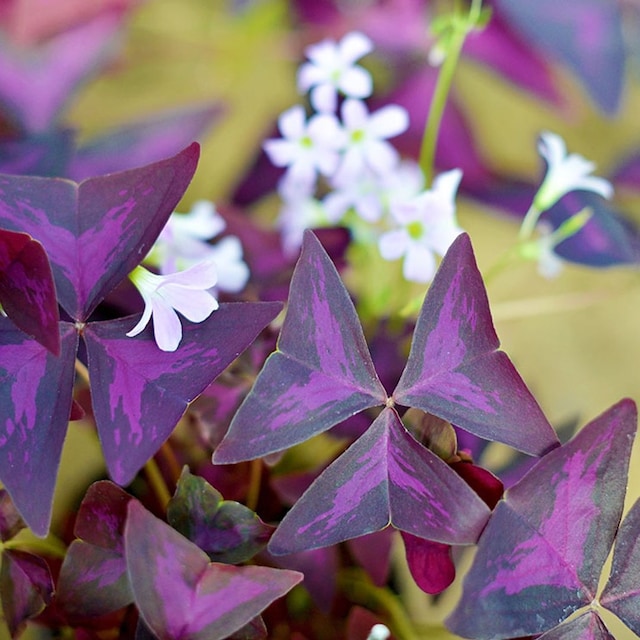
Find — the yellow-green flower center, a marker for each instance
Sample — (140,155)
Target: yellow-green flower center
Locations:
(415,230)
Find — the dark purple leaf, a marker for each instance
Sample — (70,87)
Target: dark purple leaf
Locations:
(26,587)
(45,154)
(455,370)
(93,579)
(35,401)
(180,594)
(627,172)
(140,392)
(430,563)
(225,530)
(622,592)
(587,626)
(97,231)
(141,143)
(27,291)
(36,83)
(586,35)
(10,521)
(385,477)
(373,552)
(540,557)
(321,373)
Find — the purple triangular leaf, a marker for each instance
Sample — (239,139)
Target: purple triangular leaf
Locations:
(455,370)
(97,231)
(622,592)
(584,34)
(540,557)
(141,143)
(140,392)
(27,291)
(37,82)
(93,578)
(26,587)
(45,154)
(587,626)
(321,374)
(35,401)
(225,530)
(385,477)
(181,595)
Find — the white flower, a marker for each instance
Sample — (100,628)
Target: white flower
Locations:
(379,632)
(332,69)
(549,262)
(565,173)
(186,292)
(427,226)
(183,244)
(370,195)
(366,135)
(307,148)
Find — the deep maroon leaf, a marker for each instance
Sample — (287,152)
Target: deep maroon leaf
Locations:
(587,626)
(97,231)
(36,84)
(25,587)
(321,373)
(35,401)
(385,477)
(141,143)
(93,579)
(541,555)
(140,392)
(586,35)
(27,291)
(622,592)
(181,595)
(455,370)
(10,520)
(373,553)
(225,530)
(430,563)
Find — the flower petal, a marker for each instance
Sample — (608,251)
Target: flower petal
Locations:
(353,46)
(419,264)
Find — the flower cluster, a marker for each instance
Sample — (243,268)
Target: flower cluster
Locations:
(342,169)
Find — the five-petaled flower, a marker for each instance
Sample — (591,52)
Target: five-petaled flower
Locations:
(565,173)
(306,148)
(332,69)
(427,225)
(366,145)
(186,292)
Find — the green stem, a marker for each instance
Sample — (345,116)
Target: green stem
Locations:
(529,223)
(461,27)
(157,483)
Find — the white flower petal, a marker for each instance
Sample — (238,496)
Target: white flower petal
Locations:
(353,46)
(354,114)
(381,156)
(143,322)
(324,98)
(419,264)
(393,244)
(167,329)
(280,152)
(389,121)
(356,83)
(310,75)
(292,122)
(194,304)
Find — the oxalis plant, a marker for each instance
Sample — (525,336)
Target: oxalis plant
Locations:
(211,525)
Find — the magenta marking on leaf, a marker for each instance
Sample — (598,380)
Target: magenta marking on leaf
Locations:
(321,373)
(97,231)
(541,555)
(35,400)
(180,594)
(455,370)
(384,477)
(140,392)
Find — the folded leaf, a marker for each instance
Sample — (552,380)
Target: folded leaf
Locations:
(455,370)
(180,594)
(541,555)
(321,373)
(587,626)
(385,477)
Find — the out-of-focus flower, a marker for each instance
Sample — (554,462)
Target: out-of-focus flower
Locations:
(427,226)
(371,196)
(366,145)
(379,632)
(183,244)
(306,148)
(186,292)
(565,173)
(549,262)
(332,69)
